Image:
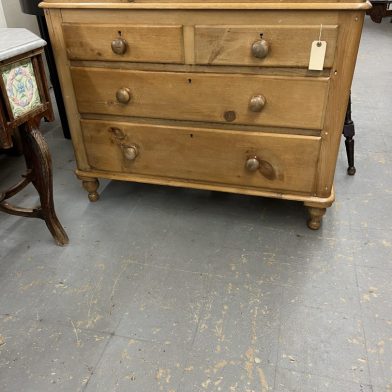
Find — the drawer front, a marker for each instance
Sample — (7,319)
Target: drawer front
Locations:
(140,43)
(274,46)
(238,99)
(248,159)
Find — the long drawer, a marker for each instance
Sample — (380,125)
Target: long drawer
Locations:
(134,43)
(272,46)
(247,159)
(296,102)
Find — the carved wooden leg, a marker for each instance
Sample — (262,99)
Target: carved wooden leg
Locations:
(39,164)
(91,186)
(349,133)
(316,216)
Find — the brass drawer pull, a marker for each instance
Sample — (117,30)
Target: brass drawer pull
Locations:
(130,152)
(260,49)
(123,95)
(257,103)
(252,164)
(119,46)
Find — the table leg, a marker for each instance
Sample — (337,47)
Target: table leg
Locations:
(349,133)
(379,11)
(39,163)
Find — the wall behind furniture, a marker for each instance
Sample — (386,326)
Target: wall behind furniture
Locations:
(2,16)
(14,17)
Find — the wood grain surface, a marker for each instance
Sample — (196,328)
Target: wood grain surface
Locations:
(209,155)
(291,102)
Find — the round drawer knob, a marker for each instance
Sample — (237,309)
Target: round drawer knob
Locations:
(130,152)
(123,95)
(260,49)
(252,164)
(119,46)
(257,103)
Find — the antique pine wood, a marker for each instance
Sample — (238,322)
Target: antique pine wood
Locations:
(182,100)
(203,153)
(187,96)
(229,45)
(89,42)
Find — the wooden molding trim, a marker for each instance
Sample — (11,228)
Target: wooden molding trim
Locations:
(211,6)
(308,200)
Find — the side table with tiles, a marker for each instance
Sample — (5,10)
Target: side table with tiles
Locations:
(24,101)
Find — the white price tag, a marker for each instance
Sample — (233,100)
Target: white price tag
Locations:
(317,55)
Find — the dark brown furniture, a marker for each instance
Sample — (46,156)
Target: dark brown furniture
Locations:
(24,101)
(349,133)
(380,10)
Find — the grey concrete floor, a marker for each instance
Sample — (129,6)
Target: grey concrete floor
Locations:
(175,290)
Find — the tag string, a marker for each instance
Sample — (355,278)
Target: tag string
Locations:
(321,29)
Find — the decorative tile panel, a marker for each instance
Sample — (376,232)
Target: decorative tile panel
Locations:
(21,87)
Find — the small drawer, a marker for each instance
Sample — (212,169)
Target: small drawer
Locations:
(295,102)
(132,43)
(246,159)
(267,46)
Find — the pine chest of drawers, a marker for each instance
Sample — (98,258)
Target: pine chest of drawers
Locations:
(212,95)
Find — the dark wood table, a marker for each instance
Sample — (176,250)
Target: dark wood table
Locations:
(24,101)
(379,11)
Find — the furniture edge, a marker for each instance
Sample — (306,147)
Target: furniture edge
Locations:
(211,6)
(194,184)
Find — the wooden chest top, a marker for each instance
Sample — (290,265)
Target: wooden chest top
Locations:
(209,4)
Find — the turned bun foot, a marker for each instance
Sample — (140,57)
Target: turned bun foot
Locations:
(93,196)
(316,216)
(91,186)
(351,170)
